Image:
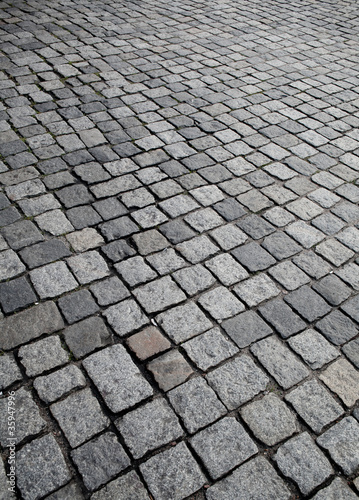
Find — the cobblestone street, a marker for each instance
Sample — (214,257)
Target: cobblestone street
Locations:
(179,238)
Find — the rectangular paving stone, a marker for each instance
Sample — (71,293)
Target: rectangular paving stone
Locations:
(253,257)
(100,459)
(343,379)
(332,289)
(280,245)
(342,443)
(255,290)
(220,303)
(16,294)
(246,328)
(77,305)
(43,355)
(250,481)
(86,336)
(135,271)
(21,234)
(125,317)
(313,348)
(159,294)
(57,384)
(209,349)
(149,427)
(170,369)
(9,369)
(117,378)
(109,291)
(196,404)
(30,324)
(299,300)
(88,266)
(270,419)
(50,471)
(337,328)
(223,446)
(302,461)
(194,279)
(44,253)
(237,381)
(197,249)
(334,251)
(312,264)
(227,269)
(280,362)
(183,322)
(53,280)
(174,474)
(80,417)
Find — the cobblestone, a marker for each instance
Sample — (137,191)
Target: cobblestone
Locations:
(223,446)
(301,460)
(111,365)
(270,419)
(342,441)
(100,460)
(80,417)
(178,207)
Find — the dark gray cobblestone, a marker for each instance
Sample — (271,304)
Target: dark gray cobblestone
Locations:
(179,229)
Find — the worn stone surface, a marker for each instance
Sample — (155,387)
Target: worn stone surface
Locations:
(57,384)
(183,322)
(209,349)
(313,348)
(237,381)
(250,481)
(270,419)
(302,461)
(337,490)
(29,324)
(148,342)
(343,379)
(342,443)
(170,369)
(125,317)
(181,181)
(280,362)
(28,421)
(126,487)
(117,378)
(80,417)
(41,468)
(9,370)
(173,474)
(315,405)
(86,336)
(196,403)
(43,355)
(100,459)
(149,427)
(246,328)
(53,280)
(223,446)
(159,294)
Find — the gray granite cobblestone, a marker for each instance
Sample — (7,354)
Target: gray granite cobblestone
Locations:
(178,235)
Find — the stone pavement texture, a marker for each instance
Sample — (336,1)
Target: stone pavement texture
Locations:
(179,238)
